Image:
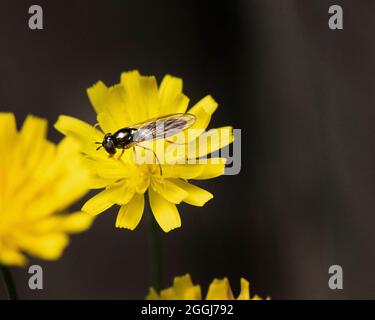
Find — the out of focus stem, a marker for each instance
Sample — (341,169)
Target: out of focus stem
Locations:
(155,249)
(9,283)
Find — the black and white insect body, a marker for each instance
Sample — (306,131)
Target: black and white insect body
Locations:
(153,129)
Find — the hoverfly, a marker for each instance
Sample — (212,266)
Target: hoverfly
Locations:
(153,129)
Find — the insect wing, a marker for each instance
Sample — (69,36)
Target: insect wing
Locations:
(162,127)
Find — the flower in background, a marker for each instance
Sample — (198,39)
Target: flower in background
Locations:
(220,290)
(184,289)
(38,181)
(136,99)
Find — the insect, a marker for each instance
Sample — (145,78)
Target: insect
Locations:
(153,129)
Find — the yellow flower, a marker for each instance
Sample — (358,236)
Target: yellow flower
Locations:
(37,180)
(184,289)
(137,99)
(220,290)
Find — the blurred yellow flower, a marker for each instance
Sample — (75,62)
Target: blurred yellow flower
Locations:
(136,99)
(38,179)
(184,289)
(220,290)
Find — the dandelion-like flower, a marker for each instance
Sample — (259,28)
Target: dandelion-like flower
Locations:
(184,289)
(126,180)
(38,181)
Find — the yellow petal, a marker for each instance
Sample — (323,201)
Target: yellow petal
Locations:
(203,110)
(121,195)
(109,105)
(169,190)
(45,246)
(119,192)
(109,168)
(245,290)
(33,130)
(185,289)
(8,131)
(117,106)
(152,294)
(182,283)
(141,95)
(12,257)
(98,95)
(201,146)
(72,174)
(170,87)
(195,196)
(165,212)
(220,290)
(193,293)
(8,126)
(172,100)
(31,142)
(106,123)
(82,132)
(34,126)
(180,103)
(72,223)
(98,203)
(168,294)
(149,88)
(184,171)
(99,183)
(130,214)
(214,168)
(210,141)
(75,222)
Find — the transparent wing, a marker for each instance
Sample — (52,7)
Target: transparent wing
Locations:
(162,127)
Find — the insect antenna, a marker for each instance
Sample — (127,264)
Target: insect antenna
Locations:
(97,125)
(97,142)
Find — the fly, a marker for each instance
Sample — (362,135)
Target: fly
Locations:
(153,129)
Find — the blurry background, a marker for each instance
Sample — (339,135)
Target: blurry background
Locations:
(303,96)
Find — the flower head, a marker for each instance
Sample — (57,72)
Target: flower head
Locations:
(184,289)
(38,181)
(126,179)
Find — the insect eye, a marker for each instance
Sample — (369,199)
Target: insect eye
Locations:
(109,147)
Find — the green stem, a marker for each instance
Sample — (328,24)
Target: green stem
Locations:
(155,248)
(9,283)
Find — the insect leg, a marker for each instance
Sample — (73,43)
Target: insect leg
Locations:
(121,154)
(134,155)
(156,157)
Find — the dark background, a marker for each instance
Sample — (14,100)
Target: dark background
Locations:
(303,96)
